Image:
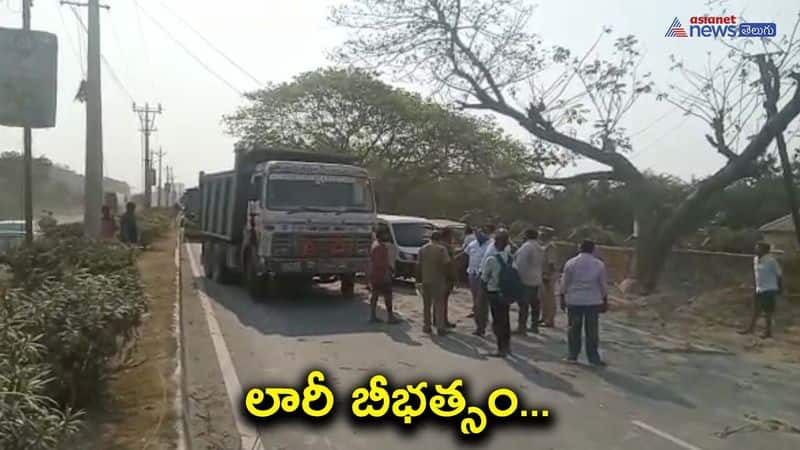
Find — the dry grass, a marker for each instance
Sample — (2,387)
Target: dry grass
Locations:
(714,317)
(140,411)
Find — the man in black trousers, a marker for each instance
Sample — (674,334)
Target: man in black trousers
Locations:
(584,296)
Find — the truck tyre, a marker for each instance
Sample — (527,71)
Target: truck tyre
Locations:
(257,285)
(220,272)
(348,285)
(206,260)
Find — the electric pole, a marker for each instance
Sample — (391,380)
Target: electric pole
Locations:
(147,118)
(27,138)
(160,155)
(93,176)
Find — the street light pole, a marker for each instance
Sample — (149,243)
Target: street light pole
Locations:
(27,138)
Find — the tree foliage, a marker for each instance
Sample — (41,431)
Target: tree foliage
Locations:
(480,53)
(409,143)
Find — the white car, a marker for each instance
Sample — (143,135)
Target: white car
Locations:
(12,233)
(408,234)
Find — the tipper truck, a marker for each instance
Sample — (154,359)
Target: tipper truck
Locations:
(284,218)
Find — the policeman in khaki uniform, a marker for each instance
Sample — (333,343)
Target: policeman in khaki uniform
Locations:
(549,275)
(433,270)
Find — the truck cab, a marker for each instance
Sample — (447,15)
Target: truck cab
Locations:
(288,219)
(408,234)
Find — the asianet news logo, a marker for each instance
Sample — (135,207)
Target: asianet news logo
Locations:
(720,26)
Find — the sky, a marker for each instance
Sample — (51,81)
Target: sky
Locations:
(275,40)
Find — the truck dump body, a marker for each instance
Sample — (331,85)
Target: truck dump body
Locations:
(216,198)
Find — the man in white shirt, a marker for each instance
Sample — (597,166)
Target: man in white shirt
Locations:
(475,251)
(529,262)
(584,296)
(769,284)
(469,236)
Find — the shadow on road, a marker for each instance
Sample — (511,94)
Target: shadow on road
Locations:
(322,312)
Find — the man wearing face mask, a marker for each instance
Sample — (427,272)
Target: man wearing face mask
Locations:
(475,251)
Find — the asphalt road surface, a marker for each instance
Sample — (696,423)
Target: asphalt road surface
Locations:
(657,393)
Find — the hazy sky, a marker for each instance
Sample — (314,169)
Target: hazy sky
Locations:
(275,40)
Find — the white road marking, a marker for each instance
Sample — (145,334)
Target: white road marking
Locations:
(249,435)
(665,435)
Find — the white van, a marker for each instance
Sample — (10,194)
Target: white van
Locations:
(409,234)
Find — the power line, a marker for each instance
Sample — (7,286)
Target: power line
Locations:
(653,123)
(211,44)
(648,147)
(188,51)
(106,63)
(145,48)
(72,44)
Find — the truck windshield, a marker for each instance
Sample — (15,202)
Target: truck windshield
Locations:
(412,234)
(297,192)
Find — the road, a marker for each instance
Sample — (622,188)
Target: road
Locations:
(656,394)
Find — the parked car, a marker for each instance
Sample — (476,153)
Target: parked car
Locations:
(12,233)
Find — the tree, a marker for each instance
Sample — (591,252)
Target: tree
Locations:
(408,143)
(480,54)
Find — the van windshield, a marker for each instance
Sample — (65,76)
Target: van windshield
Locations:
(412,234)
(307,192)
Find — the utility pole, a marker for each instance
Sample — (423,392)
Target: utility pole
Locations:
(147,118)
(160,155)
(27,138)
(93,176)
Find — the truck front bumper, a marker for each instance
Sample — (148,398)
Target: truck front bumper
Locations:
(328,266)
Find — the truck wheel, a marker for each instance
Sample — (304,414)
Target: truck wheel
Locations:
(220,272)
(348,285)
(205,258)
(258,285)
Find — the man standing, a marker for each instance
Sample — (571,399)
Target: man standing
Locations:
(380,277)
(529,261)
(129,230)
(475,251)
(499,306)
(469,236)
(108,226)
(447,242)
(584,296)
(547,291)
(769,284)
(432,273)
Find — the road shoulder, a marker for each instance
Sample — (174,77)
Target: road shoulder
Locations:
(208,413)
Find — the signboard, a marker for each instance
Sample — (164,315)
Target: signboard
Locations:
(28,76)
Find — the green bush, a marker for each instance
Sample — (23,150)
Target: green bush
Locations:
(53,258)
(29,419)
(67,308)
(84,320)
(154,224)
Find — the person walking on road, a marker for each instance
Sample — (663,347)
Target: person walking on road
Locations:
(492,275)
(380,277)
(769,284)
(547,295)
(529,261)
(584,296)
(129,230)
(432,273)
(475,251)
